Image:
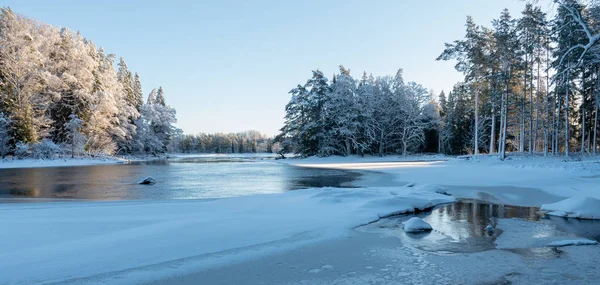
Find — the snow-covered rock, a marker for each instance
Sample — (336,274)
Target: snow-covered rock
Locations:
(574,207)
(572,242)
(416,225)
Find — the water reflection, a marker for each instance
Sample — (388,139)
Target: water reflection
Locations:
(461,228)
(468,218)
(187,178)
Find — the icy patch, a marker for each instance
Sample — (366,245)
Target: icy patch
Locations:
(416,225)
(572,242)
(520,234)
(575,207)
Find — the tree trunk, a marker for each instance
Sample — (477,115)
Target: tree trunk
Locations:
(476,121)
(546,104)
(531,106)
(583,127)
(595,123)
(348,148)
(567,115)
(555,116)
(503,114)
(596,111)
(493,131)
(522,126)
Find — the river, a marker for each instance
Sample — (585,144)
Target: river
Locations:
(184,177)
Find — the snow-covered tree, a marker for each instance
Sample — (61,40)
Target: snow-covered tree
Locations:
(155,126)
(76,140)
(21,82)
(5,136)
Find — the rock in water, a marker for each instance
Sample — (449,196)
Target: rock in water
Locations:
(147,181)
(416,225)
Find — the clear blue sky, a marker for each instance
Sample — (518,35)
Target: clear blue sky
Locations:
(227,66)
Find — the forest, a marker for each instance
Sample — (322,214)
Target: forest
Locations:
(530,85)
(244,142)
(60,94)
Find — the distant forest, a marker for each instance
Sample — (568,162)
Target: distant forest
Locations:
(244,142)
(531,84)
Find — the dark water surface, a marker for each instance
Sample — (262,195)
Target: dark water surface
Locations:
(180,178)
(461,227)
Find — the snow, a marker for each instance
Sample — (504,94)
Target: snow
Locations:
(34,163)
(572,242)
(136,241)
(575,207)
(519,180)
(416,225)
(66,241)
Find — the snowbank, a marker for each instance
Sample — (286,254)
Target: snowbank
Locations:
(569,242)
(67,241)
(575,207)
(34,163)
(520,180)
(416,225)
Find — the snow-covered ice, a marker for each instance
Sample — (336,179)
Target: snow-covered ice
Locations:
(416,225)
(568,242)
(575,207)
(147,240)
(522,181)
(66,241)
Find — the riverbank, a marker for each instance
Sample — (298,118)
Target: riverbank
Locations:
(58,162)
(201,241)
(526,180)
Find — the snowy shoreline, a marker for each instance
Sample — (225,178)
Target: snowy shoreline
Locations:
(58,162)
(89,237)
(97,242)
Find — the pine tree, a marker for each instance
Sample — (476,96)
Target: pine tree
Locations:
(470,57)
(138,99)
(160,97)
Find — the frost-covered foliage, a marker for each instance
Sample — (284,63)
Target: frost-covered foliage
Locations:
(45,149)
(48,74)
(155,125)
(5,136)
(22,150)
(376,115)
(76,140)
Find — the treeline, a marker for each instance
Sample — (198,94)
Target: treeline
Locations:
(61,94)
(367,116)
(244,142)
(531,83)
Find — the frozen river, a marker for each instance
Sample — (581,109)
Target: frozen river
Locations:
(186,177)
